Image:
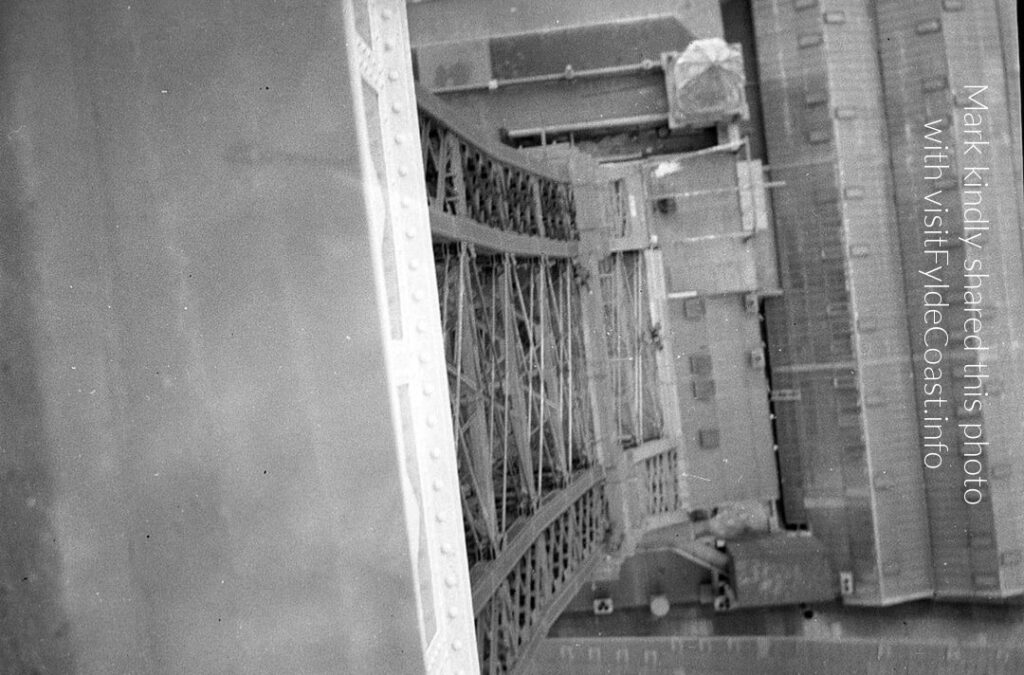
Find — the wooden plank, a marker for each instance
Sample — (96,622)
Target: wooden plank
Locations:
(480,453)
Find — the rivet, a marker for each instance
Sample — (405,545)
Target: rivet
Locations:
(410,233)
(414,264)
(439,517)
(453,612)
(421,327)
(399,139)
(457,645)
(403,170)
(450,581)
(389,44)
(386,14)
(446,549)
(396,107)
(405,202)
(431,420)
(393,75)
(428,389)
(438,485)
(435,453)
(418,295)
(424,358)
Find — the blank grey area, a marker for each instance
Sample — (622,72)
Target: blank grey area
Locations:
(192,381)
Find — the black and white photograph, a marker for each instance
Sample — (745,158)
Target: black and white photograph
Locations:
(527,337)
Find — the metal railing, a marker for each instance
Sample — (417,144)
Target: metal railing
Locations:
(520,406)
(631,342)
(480,180)
(516,609)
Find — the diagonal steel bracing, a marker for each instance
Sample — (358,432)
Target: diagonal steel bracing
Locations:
(523,313)
(531,489)
(517,381)
(631,342)
(472,178)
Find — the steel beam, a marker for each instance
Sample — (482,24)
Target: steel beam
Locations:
(486,577)
(552,609)
(450,228)
(540,582)
(434,108)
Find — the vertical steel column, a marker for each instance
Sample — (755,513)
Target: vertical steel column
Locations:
(419,377)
